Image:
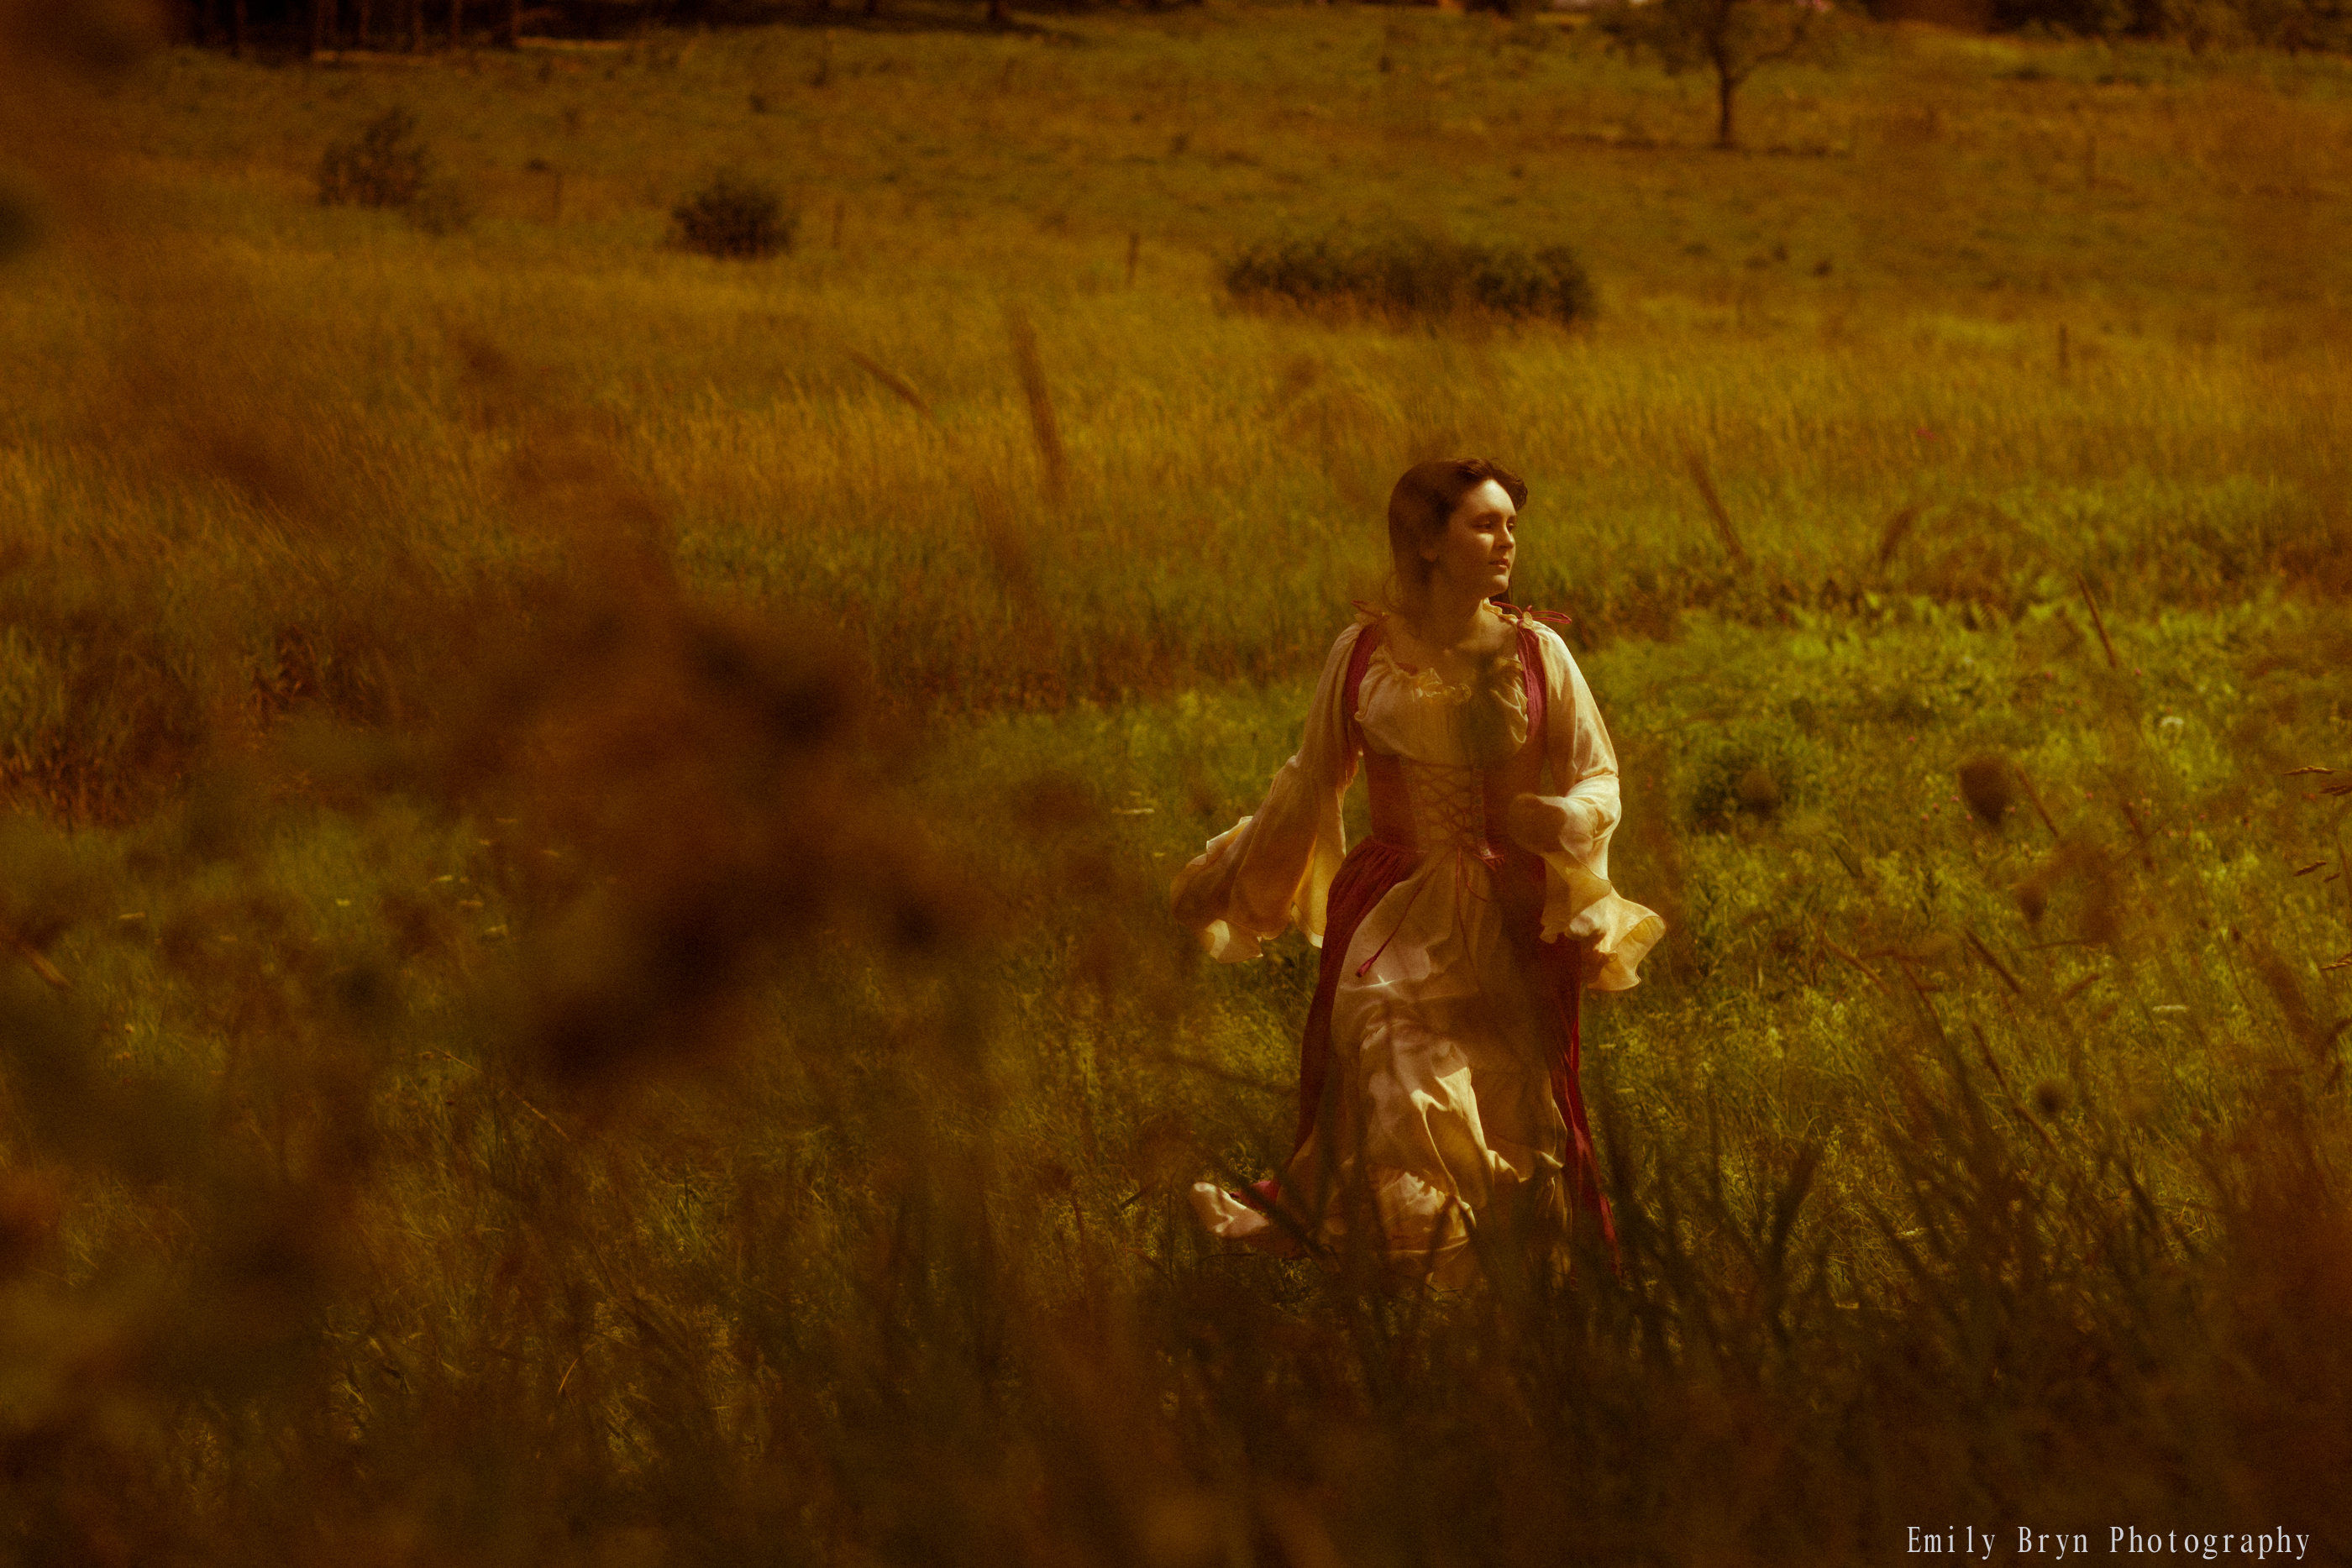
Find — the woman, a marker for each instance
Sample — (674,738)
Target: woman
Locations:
(1437,1076)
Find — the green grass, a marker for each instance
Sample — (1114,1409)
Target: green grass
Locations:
(608,868)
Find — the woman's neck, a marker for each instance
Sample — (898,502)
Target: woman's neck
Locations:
(1444,621)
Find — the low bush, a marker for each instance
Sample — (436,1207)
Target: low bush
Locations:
(19,229)
(1406,274)
(384,166)
(735,216)
(1751,774)
(442,208)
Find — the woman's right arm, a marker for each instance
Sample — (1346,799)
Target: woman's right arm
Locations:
(1276,865)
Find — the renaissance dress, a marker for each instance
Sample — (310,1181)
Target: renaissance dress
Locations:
(1438,1069)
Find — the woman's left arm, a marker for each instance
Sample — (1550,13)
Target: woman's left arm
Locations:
(1571,831)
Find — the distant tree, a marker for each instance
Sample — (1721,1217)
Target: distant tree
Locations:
(2297,25)
(1731,38)
(2087,18)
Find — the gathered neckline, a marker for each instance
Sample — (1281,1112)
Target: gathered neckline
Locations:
(1425,678)
(1427,683)
(1515,616)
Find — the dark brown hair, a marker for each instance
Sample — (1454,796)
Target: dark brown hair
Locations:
(1422,503)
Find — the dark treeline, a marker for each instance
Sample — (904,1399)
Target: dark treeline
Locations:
(430,24)
(411,24)
(2316,26)
(2292,25)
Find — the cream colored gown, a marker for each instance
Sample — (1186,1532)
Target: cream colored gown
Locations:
(1440,1106)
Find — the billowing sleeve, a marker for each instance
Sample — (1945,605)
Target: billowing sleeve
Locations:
(1276,865)
(1579,900)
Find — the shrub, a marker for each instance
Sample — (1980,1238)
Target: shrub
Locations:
(385,166)
(1407,274)
(19,230)
(442,208)
(1751,775)
(735,216)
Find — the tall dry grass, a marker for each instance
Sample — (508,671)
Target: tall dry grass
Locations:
(1194,523)
(2050,365)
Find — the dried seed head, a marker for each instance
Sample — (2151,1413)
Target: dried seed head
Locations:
(1989,787)
(1165,1155)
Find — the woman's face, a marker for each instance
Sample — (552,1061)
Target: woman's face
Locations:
(1475,553)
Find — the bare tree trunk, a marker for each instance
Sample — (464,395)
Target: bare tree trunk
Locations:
(415,26)
(318,24)
(511,30)
(237,29)
(363,24)
(999,13)
(1725,85)
(207,18)
(873,7)
(457,24)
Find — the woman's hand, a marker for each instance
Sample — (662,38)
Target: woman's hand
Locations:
(1536,823)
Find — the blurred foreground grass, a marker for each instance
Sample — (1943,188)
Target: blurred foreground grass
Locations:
(357,1198)
(589,973)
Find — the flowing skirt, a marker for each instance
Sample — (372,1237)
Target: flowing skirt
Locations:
(1437,1071)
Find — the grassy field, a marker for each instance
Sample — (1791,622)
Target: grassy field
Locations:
(591,980)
